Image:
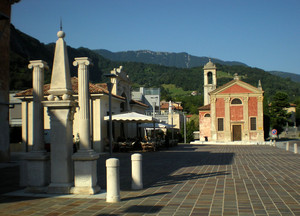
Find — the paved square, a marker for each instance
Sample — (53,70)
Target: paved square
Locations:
(183,180)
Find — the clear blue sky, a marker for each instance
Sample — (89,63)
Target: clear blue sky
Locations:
(260,33)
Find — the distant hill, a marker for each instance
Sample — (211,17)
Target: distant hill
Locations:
(292,76)
(25,48)
(179,60)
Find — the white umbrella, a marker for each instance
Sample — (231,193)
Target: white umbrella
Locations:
(132,117)
(157,125)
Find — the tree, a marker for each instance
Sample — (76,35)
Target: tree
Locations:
(191,126)
(278,114)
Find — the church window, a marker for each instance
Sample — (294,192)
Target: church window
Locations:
(252,123)
(207,115)
(209,78)
(236,101)
(220,124)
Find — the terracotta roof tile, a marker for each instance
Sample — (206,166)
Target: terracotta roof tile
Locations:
(138,102)
(206,107)
(93,88)
(165,106)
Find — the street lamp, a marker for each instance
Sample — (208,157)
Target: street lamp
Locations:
(154,98)
(109,87)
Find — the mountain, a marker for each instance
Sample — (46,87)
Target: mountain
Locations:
(292,76)
(179,60)
(25,48)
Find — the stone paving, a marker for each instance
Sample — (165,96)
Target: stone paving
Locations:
(183,180)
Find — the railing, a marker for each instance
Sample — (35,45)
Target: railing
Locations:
(292,145)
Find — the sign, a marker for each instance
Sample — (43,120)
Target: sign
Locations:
(274,132)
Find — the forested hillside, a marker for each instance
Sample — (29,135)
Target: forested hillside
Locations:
(25,48)
(180,60)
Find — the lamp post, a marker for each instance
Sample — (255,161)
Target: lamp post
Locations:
(184,127)
(109,86)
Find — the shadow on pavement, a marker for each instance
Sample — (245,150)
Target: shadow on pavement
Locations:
(158,166)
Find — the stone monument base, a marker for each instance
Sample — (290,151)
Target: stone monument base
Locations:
(85,170)
(60,188)
(38,171)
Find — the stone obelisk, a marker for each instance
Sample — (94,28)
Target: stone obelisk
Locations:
(61,108)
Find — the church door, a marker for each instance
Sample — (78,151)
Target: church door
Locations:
(236,132)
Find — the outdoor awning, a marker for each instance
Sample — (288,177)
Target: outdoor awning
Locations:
(157,125)
(132,117)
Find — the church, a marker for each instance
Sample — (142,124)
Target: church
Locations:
(232,112)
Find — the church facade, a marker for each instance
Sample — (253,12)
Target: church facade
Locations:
(232,112)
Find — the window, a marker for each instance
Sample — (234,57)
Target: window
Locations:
(209,78)
(220,124)
(207,115)
(236,101)
(253,123)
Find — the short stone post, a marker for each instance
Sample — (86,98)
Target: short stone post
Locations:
(287,147)
(112,180)
(136,172)
(38,159)
(85,159)
(295,148)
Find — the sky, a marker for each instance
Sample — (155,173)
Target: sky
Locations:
(260,33)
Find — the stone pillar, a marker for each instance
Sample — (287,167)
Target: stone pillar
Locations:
(295,148)
(112,180)
(38,109)
(38,159)
(246,135)
(61,122)
(227,126)
(83,102)
(213,119)
(136,171)
(287,147)
(85,160)
(260,118)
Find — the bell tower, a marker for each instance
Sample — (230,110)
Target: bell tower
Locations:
(210,80)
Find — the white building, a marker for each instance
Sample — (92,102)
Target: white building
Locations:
(99,108)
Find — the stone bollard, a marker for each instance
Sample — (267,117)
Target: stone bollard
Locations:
(136,172)
(112,180)
(295,148)
(287,146)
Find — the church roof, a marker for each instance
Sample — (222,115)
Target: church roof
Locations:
(236,86)
(209,65)
(206,107)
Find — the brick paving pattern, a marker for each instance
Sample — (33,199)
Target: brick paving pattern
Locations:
(183,180)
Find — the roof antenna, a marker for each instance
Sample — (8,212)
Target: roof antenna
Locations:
(60,24)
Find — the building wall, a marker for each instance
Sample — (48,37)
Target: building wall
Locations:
(204,128)
(5,8)
(235,114)
(99,107)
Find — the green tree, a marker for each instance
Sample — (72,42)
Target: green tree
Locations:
(191,126)
(278,114)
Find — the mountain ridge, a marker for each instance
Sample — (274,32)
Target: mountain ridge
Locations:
(170,59)
(179,60)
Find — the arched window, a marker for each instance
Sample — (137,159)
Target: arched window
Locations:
(207,115)
(236,101)
(209,78)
